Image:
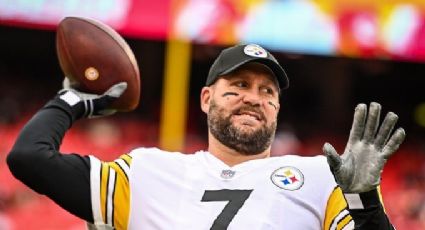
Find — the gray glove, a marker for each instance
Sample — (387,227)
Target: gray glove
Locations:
(90,105)
(359,168)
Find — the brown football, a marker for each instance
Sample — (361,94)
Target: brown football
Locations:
(94,57)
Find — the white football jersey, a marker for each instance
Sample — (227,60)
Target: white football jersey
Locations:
(154,189)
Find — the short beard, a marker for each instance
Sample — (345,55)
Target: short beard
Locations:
(245,143)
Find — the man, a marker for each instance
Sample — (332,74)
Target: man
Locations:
(235,184)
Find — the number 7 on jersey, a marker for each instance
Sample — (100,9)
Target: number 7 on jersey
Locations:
(236,200)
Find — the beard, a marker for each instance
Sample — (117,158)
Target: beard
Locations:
(245,142)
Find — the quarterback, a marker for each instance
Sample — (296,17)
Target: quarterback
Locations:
(234,184)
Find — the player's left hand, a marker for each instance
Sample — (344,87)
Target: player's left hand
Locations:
(359,168)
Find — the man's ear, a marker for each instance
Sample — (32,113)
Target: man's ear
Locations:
(206,94)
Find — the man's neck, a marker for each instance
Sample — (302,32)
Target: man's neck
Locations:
(230,156)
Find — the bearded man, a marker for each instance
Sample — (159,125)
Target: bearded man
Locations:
(235,184)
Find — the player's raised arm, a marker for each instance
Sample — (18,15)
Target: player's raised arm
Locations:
(358,170)
(98,62)
(36,161)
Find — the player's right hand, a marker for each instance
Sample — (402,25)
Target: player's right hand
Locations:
(90,105)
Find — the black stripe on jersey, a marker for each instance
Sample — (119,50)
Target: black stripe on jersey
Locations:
(122,169)
(100,177)
(125,160)
(113,198)
(106,195)
(342,227)
(341,219)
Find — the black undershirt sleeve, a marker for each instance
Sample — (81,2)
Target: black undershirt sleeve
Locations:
(36,161)
(372,216)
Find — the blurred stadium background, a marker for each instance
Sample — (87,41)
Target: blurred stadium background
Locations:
(336,53)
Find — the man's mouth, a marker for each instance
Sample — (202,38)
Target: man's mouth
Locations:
(249,115)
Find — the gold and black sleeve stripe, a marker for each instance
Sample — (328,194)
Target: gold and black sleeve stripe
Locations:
(111,199)
(337,215)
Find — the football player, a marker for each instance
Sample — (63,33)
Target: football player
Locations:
(234,184)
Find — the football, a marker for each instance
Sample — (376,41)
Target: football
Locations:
(95,57)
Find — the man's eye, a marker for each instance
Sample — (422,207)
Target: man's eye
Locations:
(268,90)
(241,84)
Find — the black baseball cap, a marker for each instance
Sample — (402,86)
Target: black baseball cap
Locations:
(232,58)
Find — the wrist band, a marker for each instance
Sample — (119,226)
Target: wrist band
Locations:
(362,200)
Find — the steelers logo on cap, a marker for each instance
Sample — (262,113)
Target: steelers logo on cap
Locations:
(255,51)
(288,178)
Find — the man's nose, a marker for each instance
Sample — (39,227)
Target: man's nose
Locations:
(251,97)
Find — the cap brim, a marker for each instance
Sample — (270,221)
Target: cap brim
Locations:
(278,71)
